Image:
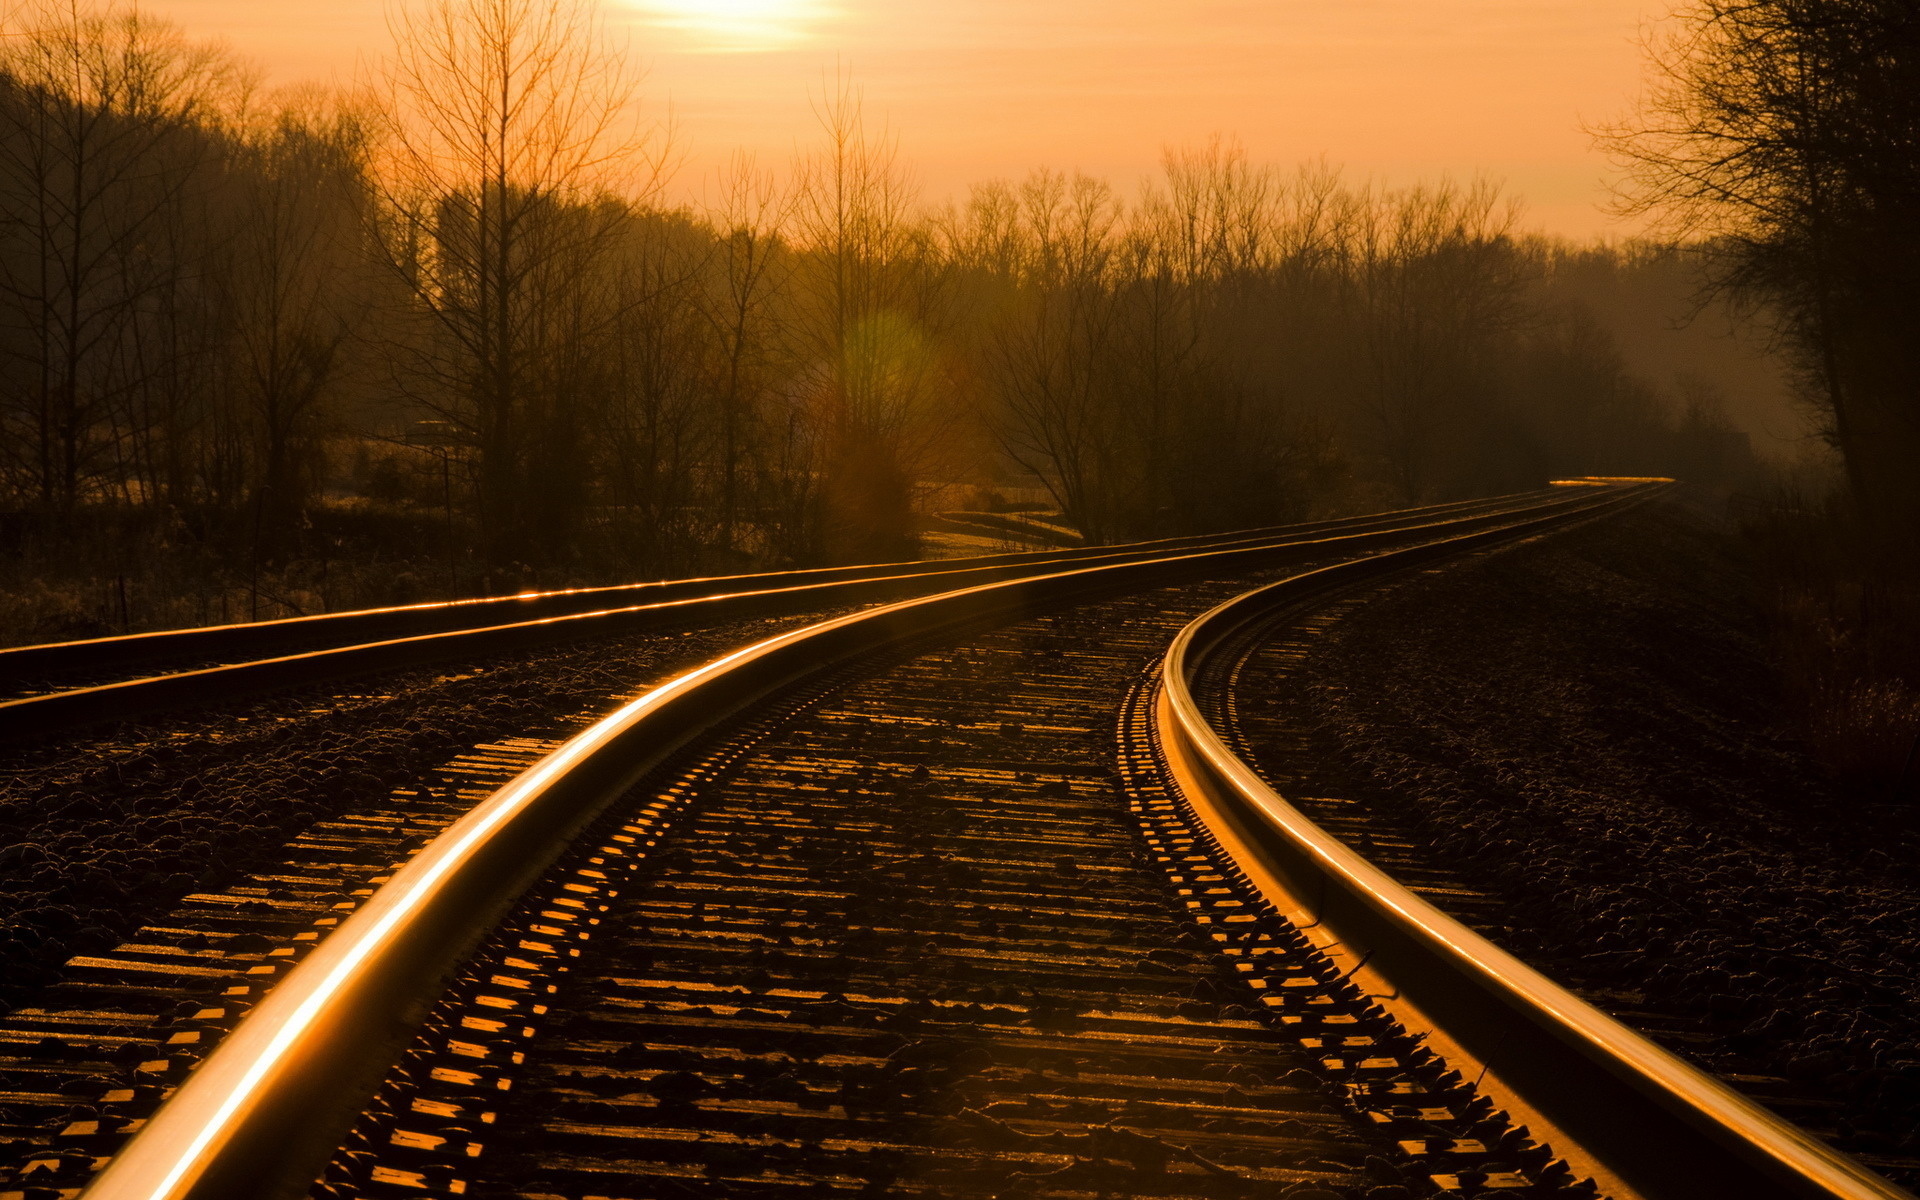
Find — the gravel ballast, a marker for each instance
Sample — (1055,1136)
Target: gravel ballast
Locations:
(97,832)
(1587,726)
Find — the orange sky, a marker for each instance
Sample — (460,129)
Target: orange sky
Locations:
(1396,89)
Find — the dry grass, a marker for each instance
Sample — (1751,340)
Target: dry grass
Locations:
(1843,603)
(109,572)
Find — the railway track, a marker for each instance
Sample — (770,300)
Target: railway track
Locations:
(919,925)
(65,686)
(932,970)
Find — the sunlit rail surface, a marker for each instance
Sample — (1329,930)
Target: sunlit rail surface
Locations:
(1626,1111)
(880,903)
(70,685)
(54,662)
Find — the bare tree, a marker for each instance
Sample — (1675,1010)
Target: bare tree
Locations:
(880,397)
(1434,281)
(97,142)
(754,269)
(504,118)
(1782,132)
(1057,238)
(653,363)
(296,296)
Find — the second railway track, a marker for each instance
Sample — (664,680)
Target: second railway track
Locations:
(62,687)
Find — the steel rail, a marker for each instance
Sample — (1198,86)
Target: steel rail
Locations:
(22,664)
(267,1106)
(62,711)
(1612,1102)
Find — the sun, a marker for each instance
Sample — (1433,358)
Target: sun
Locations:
(735,24)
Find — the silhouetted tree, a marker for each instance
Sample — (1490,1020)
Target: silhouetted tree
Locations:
(505,118)
(101,137)
(877,394)
(1784,132)
(297,294)
(754,267)
(1435,283)
(1049,358)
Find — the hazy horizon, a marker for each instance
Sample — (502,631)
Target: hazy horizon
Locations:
(989,88)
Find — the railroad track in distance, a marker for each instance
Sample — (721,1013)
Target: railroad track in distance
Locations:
(60,687)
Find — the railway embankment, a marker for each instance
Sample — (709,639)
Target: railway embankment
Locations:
(1592,732)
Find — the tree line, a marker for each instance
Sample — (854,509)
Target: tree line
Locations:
(263,354)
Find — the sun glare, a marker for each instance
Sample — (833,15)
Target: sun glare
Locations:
(734,24)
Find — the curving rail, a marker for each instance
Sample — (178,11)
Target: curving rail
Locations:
(23,664)
(742,596)
(267,1106)
(1623,1109)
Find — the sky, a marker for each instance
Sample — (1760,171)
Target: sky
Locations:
(1392,90)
